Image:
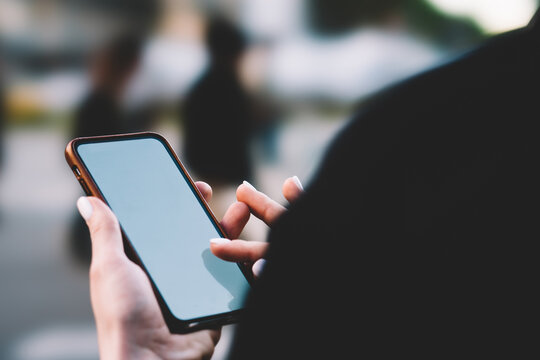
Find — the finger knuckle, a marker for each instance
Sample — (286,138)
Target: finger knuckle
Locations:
(100,268)
(106,225)
(268,211)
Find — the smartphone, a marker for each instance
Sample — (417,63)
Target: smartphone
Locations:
(166,226)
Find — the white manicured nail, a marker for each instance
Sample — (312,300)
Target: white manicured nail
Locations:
(85,208)
(258,267)
(249,185)
(297,182)
(219,241)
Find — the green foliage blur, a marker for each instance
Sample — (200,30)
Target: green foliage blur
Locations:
(334,17)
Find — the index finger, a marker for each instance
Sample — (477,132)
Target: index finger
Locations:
(259,204)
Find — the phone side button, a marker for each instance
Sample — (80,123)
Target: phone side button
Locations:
(76,171)
(85,188)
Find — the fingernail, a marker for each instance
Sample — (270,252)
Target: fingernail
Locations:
(297,182)
(249,185)
(258,267)
(219,241)
(85,208)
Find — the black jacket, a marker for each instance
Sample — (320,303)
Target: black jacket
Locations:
(419,235)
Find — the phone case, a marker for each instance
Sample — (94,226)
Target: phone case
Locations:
(175,325)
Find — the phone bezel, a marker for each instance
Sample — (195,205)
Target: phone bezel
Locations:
(88,184)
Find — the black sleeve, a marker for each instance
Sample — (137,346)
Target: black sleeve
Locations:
(327,271)
(415,236)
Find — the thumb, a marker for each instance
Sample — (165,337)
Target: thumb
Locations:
(104,229)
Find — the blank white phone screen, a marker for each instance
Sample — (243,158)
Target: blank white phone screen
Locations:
(166,224)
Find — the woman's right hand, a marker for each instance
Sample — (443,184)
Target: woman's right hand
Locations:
(251,201)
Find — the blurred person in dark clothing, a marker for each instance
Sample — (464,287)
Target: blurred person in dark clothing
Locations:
(111,69)
(417,238)
(217,113)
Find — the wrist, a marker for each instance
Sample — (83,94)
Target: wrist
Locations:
(123,342)
(114,343)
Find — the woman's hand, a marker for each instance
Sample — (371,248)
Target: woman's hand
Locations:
(255,202)
(128,318)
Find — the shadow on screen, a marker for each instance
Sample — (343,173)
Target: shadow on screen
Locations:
(227,276)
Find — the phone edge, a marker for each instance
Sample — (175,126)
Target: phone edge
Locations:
(174,324)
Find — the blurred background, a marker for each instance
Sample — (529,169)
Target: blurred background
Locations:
(242,89)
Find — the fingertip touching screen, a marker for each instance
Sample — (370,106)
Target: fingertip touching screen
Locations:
(165,222)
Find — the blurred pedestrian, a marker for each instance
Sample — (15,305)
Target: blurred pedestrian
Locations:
(217,116)
(111,68)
